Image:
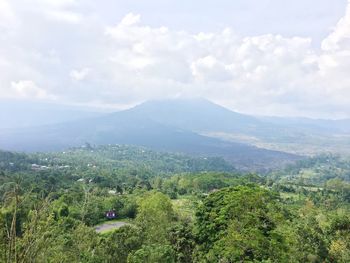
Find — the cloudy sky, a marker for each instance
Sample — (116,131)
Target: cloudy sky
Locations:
(270,57)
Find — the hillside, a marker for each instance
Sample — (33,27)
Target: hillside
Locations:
(111,158)
(294,135)
(165,131)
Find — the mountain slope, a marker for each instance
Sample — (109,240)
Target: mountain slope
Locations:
(198,115)
(294,135)
(135,127)
(204,116)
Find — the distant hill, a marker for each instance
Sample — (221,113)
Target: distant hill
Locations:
(166,126)
(294,135)
(196,126)
(197,115)
(203,116)
(111,157)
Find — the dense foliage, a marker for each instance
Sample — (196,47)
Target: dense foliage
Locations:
(174,208)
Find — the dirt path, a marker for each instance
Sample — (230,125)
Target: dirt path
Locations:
(109,226)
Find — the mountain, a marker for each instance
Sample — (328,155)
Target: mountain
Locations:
(203,116)
(294,135)
(197,115)
(153,123)
(167,126)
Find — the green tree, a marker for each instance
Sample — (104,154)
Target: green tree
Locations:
(182,241)
(154,217)
(240,224)
(120,243)
(311,237)
(156,253)
(339,232)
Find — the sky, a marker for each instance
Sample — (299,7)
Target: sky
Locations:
(261,57)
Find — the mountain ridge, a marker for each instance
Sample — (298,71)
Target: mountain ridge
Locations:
(137,127)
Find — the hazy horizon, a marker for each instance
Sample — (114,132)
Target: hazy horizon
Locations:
(18,106)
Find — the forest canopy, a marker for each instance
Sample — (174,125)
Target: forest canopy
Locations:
(170,208)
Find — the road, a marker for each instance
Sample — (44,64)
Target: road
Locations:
(109,226)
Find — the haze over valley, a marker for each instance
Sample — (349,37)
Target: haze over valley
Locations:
(191,126)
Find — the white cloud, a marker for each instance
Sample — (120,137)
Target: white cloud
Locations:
(8,18)
(65,16)
(79,75)
(56,3)
(210,69)
(259,74)
(334,64)
(251,70)
(29,90)
(340,37)
(130,19)
(55,10)
(132,62)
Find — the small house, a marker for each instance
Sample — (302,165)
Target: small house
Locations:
(111,214)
